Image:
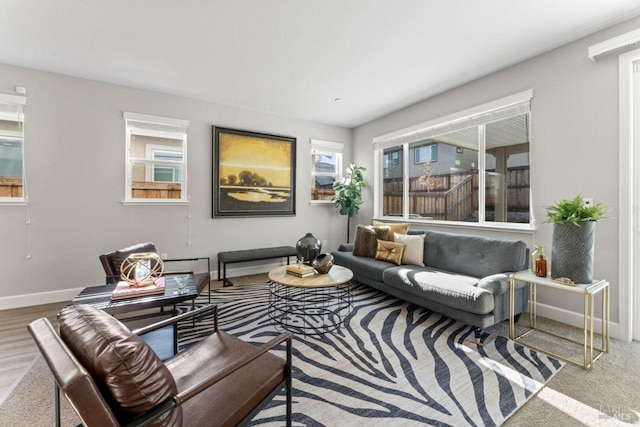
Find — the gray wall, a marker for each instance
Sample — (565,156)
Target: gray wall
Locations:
(574,147)
(75,140)
(74,134)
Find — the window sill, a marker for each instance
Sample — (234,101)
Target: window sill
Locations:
(14,202)
(506,227)
(155,202)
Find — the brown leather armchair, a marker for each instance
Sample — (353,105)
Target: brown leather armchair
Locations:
(112,378)
(111,262)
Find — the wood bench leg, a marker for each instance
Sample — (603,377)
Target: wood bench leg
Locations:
(478,335)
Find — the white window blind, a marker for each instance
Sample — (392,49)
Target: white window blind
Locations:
(482,114)
(145,123)
(318,145)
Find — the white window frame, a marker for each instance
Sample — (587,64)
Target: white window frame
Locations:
(151,151)
(180,127)
(326,147)
(419,158)
(19,102)
(480,115)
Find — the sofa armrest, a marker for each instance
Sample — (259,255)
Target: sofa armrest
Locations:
(345,247)
(497,284)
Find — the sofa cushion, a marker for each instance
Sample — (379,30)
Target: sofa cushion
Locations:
(390,251)
(442,287)
(132,376)
(369,268)
(473,255)
(394,227)
(366,243)
(414,250)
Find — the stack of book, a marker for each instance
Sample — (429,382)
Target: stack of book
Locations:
(300,270)
(125,290)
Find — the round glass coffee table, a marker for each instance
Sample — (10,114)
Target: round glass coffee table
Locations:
(311,305)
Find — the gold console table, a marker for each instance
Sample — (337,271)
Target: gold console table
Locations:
(588,291)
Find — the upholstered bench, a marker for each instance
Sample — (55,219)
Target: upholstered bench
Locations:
(230,257)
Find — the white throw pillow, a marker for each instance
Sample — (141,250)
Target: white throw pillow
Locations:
(414,248)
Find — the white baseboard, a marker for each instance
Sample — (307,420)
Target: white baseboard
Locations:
(575,319)
(26,300)
(63,295)
(18,301)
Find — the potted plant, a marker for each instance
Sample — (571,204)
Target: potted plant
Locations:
(572,251)
(348,193)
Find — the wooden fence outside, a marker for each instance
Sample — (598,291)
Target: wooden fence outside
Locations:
(155,190)
(10,187)
(518,187)
(322,194)
(454,196)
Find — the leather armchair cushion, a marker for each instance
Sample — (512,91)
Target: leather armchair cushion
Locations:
(227,402)
(121,254)
(123,366)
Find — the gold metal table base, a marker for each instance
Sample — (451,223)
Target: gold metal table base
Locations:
(588,291)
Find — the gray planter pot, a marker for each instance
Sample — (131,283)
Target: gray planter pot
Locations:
(572,251)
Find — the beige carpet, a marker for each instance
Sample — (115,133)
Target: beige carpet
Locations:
(608,395)
(34,395)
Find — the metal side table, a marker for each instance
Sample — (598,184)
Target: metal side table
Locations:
(588,292)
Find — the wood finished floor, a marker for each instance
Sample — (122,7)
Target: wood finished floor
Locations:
(17,348)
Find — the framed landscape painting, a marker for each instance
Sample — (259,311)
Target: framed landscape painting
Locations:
(254,174)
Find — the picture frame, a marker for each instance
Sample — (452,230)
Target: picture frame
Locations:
(254,174)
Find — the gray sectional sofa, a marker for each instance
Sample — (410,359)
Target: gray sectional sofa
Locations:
(464,277)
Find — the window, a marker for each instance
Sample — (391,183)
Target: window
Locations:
(164,173)
(326,168)
(156,151)
(426,154)
(471,167)
(12,171)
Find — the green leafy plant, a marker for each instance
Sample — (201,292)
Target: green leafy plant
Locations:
(348,193)
(574,211)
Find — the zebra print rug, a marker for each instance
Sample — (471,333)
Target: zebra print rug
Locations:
(394,363)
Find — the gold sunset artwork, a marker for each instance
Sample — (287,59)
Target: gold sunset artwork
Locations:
(255,174)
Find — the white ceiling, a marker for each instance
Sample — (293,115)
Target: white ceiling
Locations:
(295,57)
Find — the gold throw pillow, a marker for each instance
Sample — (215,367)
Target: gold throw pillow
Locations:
(390,251)
(394,227)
